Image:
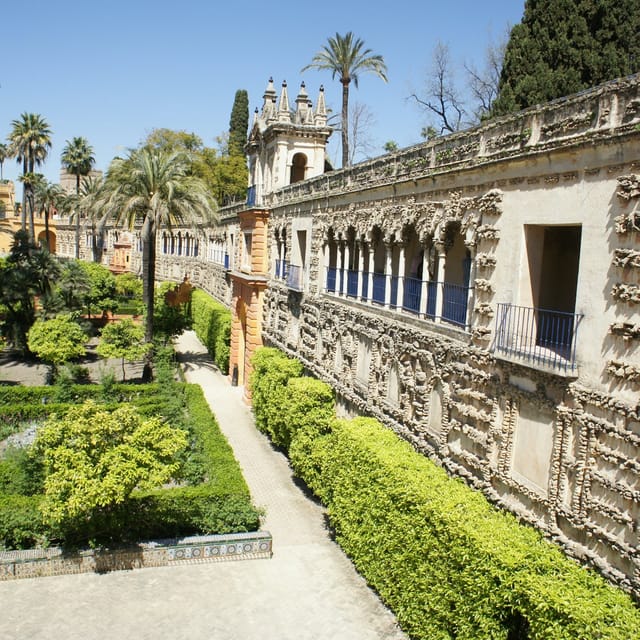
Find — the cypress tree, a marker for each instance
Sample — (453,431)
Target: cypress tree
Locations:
(564,46)
(239,123)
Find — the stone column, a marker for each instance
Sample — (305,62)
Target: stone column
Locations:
(388,272)
(442,258)
(424,285)
(370,275)
(345,268)
(323,272)
(400,292)
(360,268)
(472,277)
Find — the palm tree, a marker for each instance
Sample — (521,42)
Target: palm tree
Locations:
(77,158)
(156,188)
(48,199)
(92,200)
(4,154)
(346,57)
(30,141)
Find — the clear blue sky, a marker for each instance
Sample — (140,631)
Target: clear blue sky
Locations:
(113,71)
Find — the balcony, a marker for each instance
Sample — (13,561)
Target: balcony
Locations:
(538,337)
(281,269)
(251,196)
(295,277)
(454,297)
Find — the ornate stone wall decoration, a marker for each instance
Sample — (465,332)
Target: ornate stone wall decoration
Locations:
(625,258)
(629,187)
(624,371)
(625,330)
(626,223)
(629,293)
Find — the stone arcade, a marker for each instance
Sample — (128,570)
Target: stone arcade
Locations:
(478,293)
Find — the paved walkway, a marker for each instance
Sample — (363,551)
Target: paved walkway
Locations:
(307,591)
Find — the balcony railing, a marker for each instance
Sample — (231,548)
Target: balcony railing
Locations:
(281,269)
(454,297)
(226,261)
(295,277)
(251,196)
(538,336)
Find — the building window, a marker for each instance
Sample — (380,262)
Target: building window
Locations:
(246,254)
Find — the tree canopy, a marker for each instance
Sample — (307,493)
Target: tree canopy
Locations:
(124,340)
(565,46)
(94,459)
(57,340)
(239,123)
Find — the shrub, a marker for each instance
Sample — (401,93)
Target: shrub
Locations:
(212,324)
(21,526)
(448,563)
(271,370)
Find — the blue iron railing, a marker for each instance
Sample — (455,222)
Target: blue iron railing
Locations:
(379,286)
(352,283)
(432,292)
(538,336)
(251,195)
(281,269)
(295,277)
(226,261)
(412,294)
(331,279)
(393,297)
(454,303)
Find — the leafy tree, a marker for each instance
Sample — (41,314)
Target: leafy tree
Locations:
(128,285)
(48,198)
(94,459)
(170,140)
(30,141)
(77,158)
(27,272)
(565,46)
(239,123)
(122,339)
(390,146)
(157,189)
(170,321)
(346,57)
(57,341)
(102,291)
(73,285)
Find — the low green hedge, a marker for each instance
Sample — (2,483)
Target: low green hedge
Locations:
(212,324)
(448,563)
(219,504)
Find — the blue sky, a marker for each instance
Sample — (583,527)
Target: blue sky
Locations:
(113,71)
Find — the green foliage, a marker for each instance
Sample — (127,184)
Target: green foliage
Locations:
(169,321)
(58,340)
(448,563)
(128,285)
(239,123)
(94,459)
(26,273)
(124,340)
(212,324)
(301,404)
(562,47)
(216,500)
(21,525)
(102,292)
(74,284)
(271,371)
(20,472)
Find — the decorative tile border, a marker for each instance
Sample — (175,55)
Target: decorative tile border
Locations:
(36,563)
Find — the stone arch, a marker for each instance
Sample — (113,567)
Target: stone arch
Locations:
(298,168)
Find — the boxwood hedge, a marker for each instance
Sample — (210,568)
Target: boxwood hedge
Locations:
(212,324)
(447,562)
(219,504)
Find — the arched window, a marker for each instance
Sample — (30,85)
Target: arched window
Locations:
(298,167)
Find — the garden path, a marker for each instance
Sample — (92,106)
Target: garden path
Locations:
(309,590)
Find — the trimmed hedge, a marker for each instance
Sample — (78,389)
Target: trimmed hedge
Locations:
(447,562)
(212,324)
(220,504)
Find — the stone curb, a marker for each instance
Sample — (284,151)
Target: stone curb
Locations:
(37,563)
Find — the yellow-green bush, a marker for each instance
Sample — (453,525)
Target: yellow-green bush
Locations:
(447,562)
(212,324)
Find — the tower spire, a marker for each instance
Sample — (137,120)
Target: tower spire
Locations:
(321,109)
(284,115)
